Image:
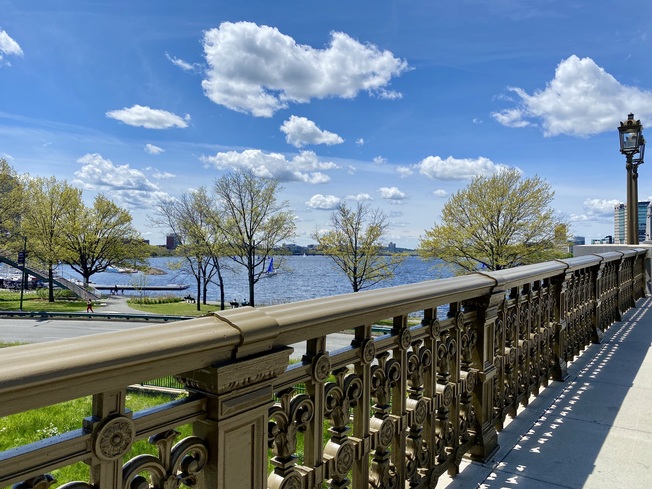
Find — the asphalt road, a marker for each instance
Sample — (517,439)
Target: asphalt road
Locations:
(40,330)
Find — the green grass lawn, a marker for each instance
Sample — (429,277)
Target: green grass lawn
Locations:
(35,302)
(176,308)
(31,426)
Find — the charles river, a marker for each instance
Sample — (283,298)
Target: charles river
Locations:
(298,278)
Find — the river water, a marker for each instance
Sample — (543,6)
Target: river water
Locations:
(298,278)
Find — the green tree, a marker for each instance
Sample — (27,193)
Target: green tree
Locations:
(253,221)
(102,236)
(194,219)
(11,200)
(354,242)
(494,223)
(46,209)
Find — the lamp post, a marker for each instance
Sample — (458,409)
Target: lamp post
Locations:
(22,257)
(632,143)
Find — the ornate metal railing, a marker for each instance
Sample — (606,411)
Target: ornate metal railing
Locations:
(385,411)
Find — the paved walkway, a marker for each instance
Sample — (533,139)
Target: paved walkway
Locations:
(592,431)
(117,304)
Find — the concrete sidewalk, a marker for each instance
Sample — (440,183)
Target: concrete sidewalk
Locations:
(592,431)
(116,304)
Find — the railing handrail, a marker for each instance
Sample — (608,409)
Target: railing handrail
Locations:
(41,374)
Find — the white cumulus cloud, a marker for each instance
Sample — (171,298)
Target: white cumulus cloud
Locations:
(323,202)
(300,131)
(8,47)
(597,210)
(404,171)
(440,193)
(582,99)
(259,70)
(457,169)
(359,197)
(392,194)
(165,175)
(149,118)
(304,167)
(124,184)
(379,160)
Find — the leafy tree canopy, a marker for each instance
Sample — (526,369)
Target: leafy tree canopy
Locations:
(497,222)
(47,206)
(354,242)
(11,192)
(102,236)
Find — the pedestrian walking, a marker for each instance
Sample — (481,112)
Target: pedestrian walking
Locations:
(89,306)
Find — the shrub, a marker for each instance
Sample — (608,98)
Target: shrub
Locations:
(155,300)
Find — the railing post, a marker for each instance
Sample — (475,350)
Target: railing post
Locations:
(113,434)
(624,295)
(240,395)
(641,276)
(647,274)
(559,368)
(597,319)
(484,393)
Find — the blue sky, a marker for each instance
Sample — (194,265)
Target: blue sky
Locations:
(396,103)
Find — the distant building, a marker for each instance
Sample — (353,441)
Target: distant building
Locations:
(391,247)
(620,222)
(605,240)
(172,241)
(642,220)
(648,223)
(579,240)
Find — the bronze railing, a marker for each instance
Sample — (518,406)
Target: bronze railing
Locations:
(402,407)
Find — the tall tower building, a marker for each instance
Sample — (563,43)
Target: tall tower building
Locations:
(620,222)
(642,220)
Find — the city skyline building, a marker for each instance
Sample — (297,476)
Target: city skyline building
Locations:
(172,241)
(620,222)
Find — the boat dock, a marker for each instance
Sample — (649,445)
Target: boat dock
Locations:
(141,287)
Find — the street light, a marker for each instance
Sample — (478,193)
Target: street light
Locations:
(631,143)
(22,258)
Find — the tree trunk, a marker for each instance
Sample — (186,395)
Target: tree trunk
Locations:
(198,299)
(221,282)
(50,283)
(251,287)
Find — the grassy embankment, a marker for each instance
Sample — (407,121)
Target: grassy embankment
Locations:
(31,426)
(37,302)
